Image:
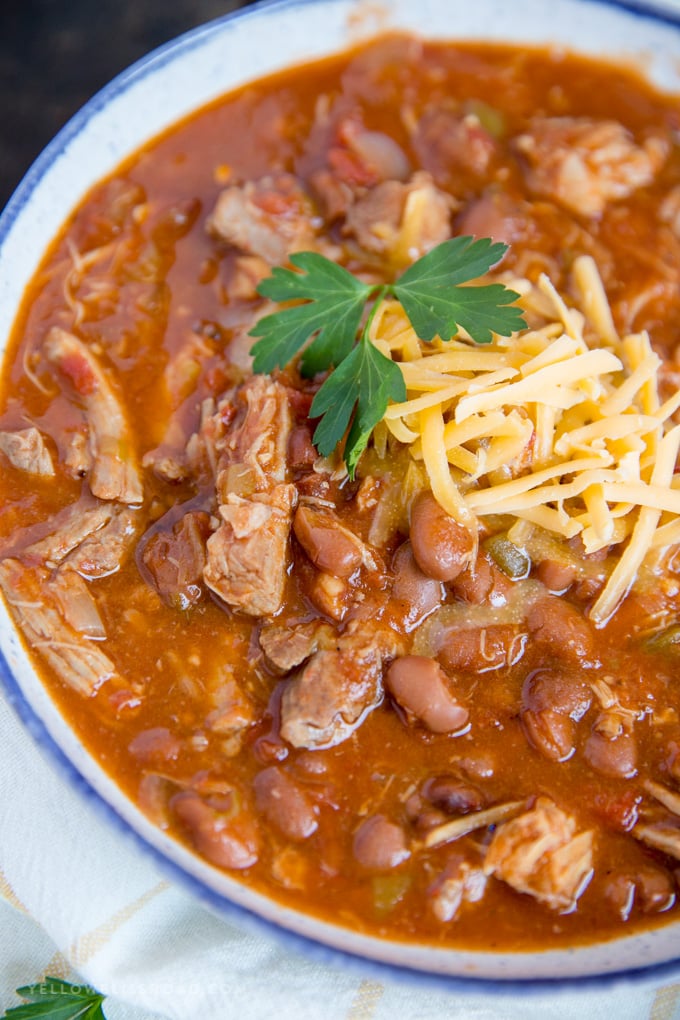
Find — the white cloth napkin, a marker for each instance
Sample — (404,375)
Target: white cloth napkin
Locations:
(78,901)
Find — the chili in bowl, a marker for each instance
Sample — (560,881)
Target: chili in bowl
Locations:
(339,513)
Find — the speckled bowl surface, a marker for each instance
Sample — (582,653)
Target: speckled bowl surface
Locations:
(139,104)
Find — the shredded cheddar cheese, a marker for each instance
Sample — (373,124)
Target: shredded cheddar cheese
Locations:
(560,426)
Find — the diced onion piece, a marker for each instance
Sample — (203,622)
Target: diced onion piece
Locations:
(668,798)
(466,824)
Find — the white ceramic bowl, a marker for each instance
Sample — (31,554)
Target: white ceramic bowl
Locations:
(141,103)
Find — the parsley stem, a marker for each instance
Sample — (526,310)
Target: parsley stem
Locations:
(380,295)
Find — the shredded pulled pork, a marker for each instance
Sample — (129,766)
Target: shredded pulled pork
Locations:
(93,540)
(541,854)
(402,221)
(115,472)
(324,703)
(459,883)
(51,615)
(269,218)
(27,451)
(288,647)
(585,164)
(248,556)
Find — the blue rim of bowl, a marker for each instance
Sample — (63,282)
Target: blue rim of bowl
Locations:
(652,975)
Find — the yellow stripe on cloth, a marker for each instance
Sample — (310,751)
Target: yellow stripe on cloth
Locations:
(7,893)
(366,1001)
(58,967)
(665,1002)
(88,945)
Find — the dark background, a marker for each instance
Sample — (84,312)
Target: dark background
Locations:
(55,54)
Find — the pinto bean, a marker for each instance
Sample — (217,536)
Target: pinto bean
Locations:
(419,685)
(557,689)
(330,547)
(550,733)
(552,701)
(650,889)
(422,815)
(620,892)
(655,891)
(559,626)
(452,795)
(226,836)
(418,594)
(380,844)
(576,544)
(284,804)
(442,547)
(587,589)
(301,450)
(616,758)
(556,576)
(482,648)
(483,582)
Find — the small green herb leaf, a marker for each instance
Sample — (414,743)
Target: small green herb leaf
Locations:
(458,260)
(367,380)
(57,1000)
(437,305)
(335,303)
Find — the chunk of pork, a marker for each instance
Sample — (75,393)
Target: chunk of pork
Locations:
(356,160)
(459,883)
(72,596)
(338,687)
(288,647)
(26,450)
(541,854)
(174,556)
(252,450)
(105,550)
(269,218)
(41,608)
(403,221)
(77,457)
(233,709)
(450,143)
(115,472)
(501,216)
(584,164)
(248,556)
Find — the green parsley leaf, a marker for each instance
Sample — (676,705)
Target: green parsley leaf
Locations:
(366,379)
(335,304)
(437,305)
(57,1000)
